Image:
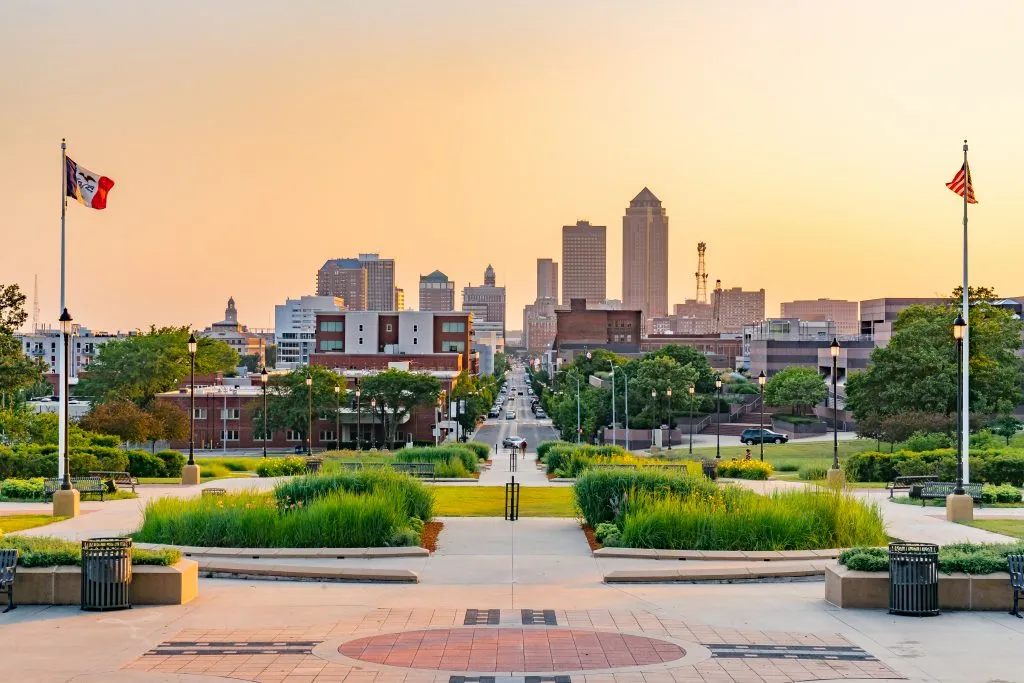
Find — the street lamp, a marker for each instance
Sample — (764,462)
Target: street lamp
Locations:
(614,431)
(718,418)
(692,390)
(761,379)
(959,330)
(264,377)
(309,414)
(193,345)
(373,423)
(65,332)
(579,429)
(654,413)
(834,350)
(337,415)
(668,394)
(359,413)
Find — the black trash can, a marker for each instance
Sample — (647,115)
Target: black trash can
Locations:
(106,573)
(313,465)
(710,469)
(914,579)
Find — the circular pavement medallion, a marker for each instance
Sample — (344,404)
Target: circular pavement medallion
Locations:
(511,649)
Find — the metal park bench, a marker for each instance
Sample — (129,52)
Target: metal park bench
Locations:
(118,478)
(423,470)
(82,484)
(911,482)
(9,567)
(938,490)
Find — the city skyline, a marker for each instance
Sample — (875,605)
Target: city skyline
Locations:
(236,165)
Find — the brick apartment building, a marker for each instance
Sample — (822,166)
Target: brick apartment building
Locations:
(581,328)
(842,313)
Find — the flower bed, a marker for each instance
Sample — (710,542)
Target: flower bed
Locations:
(362,509)
(744,469)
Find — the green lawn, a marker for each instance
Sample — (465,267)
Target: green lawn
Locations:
(203,479)
(1008,527)
(807,452)
(489,501)
(12,523)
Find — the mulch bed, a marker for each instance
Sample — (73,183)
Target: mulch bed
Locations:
(428,539)
(594,545)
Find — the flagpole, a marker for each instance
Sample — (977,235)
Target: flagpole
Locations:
(61,434)
(965,418)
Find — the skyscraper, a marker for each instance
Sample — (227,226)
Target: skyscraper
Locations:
(437,292)
(489,276)
(737,307)
(380,282)
(487,304)
(547,279)
(645,255)
(584,267)
(345,278)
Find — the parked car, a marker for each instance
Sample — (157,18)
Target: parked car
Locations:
(752,436)
(510,415)
(541,414)
(494,412)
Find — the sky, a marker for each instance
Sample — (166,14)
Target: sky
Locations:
(807,143)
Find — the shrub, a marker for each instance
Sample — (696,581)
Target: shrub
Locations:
(441,454)
(738,519)
(600,493)
(143,464)
(45,551)
(983,440)
(930,441)
(543,448)
(419,499)
(482,450)
(866,559)
(608,534)
(787,466)
(744,469)
(246,520)
(173,461)
(281,467)
(1004,493)
(83,463)
(24,489)
(558,454)
(967,558)
(813,472)
(1003,468)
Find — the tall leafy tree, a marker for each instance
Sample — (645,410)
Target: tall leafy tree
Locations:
(688,355)
(123,419)
(658,374)
(917,371)
(140,367)
(17,371)
(398,394)
(288,400)
(12,309)
(798,387)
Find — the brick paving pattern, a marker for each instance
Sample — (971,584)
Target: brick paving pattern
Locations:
(274,655)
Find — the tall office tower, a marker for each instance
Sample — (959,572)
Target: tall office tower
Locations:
(487,304)
(737,308)
(345,278)
(584,264)
(380,282)
(547,279)
(437,292)
(645,256)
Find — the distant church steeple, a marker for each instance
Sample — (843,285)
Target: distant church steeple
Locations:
(230,313)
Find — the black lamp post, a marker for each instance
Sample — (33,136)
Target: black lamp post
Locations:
(761,379)
(654,413)
(359,413)
(65,333)
(263,380)
(373,423)
(692,389)
(193,345)
(337,415)
(718,418)
(668,398)
(309,415)
(959,329)
(834,350)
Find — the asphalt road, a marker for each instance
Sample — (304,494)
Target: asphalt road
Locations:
(494,430)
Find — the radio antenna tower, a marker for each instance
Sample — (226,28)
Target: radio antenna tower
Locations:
(702,274)
(35,304)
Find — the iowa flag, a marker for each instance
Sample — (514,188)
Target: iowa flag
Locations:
(87,187)
(961,183)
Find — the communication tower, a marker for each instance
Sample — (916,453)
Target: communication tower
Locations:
(702,274)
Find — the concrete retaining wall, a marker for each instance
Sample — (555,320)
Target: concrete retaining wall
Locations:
(173,585)
(853,589)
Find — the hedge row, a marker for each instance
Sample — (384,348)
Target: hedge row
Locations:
(996,466)
(33,460)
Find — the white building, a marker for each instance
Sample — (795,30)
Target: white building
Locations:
(85,345)
(295,327)
(487,343)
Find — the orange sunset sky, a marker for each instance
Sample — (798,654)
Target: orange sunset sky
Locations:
(806,142)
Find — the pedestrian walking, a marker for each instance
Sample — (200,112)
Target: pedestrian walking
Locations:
(747,456)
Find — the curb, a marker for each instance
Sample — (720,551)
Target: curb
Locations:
(727,574)
(197,552)
(720,555)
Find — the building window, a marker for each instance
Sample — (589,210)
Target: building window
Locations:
(292,435)
(387,328)
(453,327)
(200,414)
(330,345)
(415,328)
(360,328)
(332,326)
(452,347)
(229,435)
(360,339)
(415,341)
(326,436)
(229,413)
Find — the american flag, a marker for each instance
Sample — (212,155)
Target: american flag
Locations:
(961,179)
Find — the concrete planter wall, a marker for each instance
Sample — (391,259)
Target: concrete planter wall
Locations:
(797,430)
(853,589)
(173,585)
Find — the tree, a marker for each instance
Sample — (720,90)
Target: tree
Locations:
(500,364)
(251,362)
(17,371)
(688,355)
(270,353)
(170,423)
(917,371)
(12,309)
(478,394)
(398,394)
(974,294)
(1006,426)
(140,367)
(658,373)
(795,386)
(123,419)
(901,426)
(288,400)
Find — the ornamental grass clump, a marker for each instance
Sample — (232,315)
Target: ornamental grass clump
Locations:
(730,518)
(418,498)
(600,493)
(445,458)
